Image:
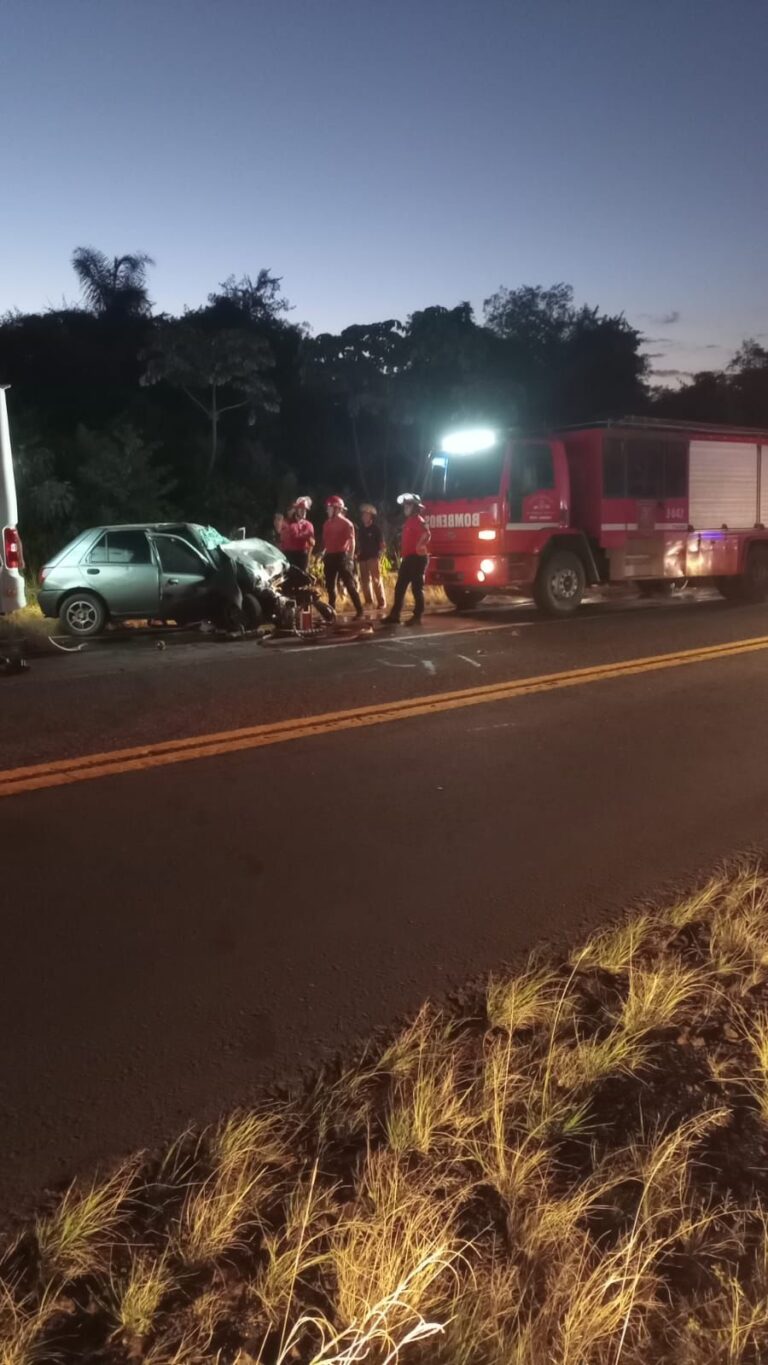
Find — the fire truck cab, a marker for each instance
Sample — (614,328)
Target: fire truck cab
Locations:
(637,500)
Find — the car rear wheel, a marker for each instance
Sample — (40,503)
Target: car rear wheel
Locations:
(464,599)
(83,614)
(560,584)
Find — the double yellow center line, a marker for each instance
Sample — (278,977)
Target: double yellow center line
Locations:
(88,767)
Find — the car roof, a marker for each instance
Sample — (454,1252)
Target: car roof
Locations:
(145,526)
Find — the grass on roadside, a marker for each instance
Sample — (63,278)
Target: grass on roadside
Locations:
(570,1167)
(27,629)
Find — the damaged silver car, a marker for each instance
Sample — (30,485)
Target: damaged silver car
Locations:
(175,571)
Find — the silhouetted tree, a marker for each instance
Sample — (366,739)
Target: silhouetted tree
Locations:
(115,286)
(737,395)
(256,301)
(119,479)
(208,366)
(236,403)
(357,368)
(570,363)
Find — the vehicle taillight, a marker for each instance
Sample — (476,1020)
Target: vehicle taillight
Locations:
(41,577)
(12,551)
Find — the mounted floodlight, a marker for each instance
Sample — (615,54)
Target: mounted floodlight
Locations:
(470,442)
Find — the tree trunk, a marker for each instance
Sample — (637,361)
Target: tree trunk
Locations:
(214,436)
(358,458)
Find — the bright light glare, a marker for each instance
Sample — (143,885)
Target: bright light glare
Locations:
(487,565)
(486,535)
(480,576)
(468,442)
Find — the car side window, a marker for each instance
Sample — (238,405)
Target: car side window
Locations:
(98,554)
(176,556)
(128,547)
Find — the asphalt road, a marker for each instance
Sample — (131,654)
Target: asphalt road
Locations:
(175,938)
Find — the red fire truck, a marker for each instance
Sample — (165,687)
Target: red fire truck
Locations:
(637,500)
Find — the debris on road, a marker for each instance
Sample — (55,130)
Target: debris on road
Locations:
(13,664)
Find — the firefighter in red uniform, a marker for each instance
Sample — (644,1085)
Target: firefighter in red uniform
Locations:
(297,534)
(339,553)
(414,548)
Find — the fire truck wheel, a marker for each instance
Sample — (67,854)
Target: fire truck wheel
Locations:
(731,589)
(464,599)
(560,584)
(755,579)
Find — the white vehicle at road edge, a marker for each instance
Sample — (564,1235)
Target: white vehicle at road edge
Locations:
(12,590)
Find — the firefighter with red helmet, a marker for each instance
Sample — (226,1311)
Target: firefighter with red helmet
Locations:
(297,534)
(414,547)
(338,546)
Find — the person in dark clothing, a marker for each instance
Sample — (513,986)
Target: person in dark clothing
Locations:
(413,566)
(370,543)
(339,553)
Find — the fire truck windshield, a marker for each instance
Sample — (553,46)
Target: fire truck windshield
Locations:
(463,477)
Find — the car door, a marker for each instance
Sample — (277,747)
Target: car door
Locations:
(120,567)
(184,575)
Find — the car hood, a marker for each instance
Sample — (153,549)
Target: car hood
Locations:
(250,552)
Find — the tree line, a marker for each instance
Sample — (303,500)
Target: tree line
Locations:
(224,413)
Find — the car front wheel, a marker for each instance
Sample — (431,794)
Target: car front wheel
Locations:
(83,614)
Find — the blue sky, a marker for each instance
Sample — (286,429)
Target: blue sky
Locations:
(384,155)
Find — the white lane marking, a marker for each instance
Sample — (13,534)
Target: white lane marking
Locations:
(405,639)
(387,663)
(461,630)
(467,660)
(428,664)
(502,725)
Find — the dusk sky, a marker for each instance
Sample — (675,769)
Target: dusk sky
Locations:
(384,155)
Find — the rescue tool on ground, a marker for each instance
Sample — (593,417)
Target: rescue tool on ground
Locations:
(633,500)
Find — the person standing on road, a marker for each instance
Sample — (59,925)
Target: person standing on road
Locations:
(339,553)
(297,534)
(370,544)
(415,553)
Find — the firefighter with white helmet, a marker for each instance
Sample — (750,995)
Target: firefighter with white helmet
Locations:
(297,534)
(414,547)
(339,553)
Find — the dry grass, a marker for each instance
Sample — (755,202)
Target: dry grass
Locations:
(28,630)
(135,1294)
(74,1239)
(23,1323)
(572,1170)
(220,1211)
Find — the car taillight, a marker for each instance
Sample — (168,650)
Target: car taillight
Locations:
(12,551)
(41,577)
